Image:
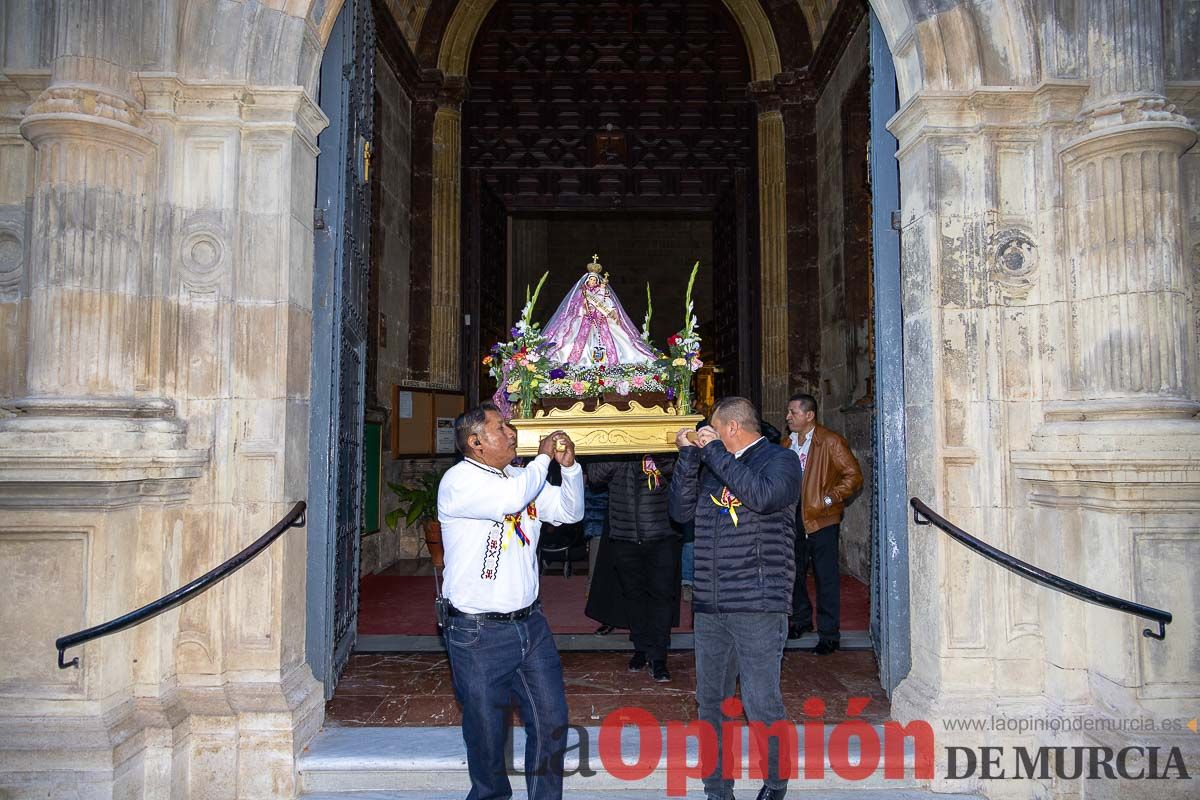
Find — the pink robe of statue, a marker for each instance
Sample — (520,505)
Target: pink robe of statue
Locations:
(590,328)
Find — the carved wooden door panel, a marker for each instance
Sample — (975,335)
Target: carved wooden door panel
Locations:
(340,278)
(486,253)
(734,349)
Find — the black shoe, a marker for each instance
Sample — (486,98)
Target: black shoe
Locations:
(604,630)
(638,662)
(796,631)
(660,673)
(767,793)
(825,647)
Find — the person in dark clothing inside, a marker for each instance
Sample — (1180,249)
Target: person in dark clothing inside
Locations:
(645,549)
(742,493)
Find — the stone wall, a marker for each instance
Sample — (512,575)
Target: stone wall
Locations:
(633,250)
(391,241)
(156,245)
(845,390)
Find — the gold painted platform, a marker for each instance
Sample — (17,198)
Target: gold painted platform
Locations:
(607,430)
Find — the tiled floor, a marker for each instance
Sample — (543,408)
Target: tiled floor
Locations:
(415,689)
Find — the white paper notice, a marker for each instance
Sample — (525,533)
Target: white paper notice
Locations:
(445,435)
(404,405)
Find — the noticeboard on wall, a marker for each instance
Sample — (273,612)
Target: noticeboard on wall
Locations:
(422,421)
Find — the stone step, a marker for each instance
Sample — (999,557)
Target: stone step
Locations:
(430,760)
(799,792)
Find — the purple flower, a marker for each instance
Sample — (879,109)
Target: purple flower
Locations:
(496,348)
(670,393)
(558,372)
(515,333)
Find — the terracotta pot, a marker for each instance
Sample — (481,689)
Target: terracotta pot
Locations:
(433,541)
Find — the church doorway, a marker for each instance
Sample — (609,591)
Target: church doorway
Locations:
(635,133)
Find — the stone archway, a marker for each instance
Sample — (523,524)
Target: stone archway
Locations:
(453,56)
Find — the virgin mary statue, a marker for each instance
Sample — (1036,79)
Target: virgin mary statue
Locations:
(591,329)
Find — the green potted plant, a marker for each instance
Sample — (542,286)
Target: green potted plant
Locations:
(419,504)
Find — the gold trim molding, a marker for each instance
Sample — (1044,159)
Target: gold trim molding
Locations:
(607,430)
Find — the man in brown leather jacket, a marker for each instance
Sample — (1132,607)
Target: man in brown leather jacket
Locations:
(830,475)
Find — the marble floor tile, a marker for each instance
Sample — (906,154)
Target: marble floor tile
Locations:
(415,689)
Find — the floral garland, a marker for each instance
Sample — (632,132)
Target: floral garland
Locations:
(523,374)
(519,366)
(620,379)
(684,349)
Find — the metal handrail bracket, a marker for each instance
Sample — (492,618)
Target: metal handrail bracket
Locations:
(295,518)
(924,515)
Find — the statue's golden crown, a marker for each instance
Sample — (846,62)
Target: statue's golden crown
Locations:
(595,265)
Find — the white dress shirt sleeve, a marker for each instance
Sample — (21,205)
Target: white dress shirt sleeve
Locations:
(562,505)
(504,496)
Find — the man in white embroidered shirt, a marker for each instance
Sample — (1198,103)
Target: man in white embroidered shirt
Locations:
(497,637)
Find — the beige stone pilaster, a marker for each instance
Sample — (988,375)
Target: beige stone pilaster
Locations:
(239,180)
(95,465)
(1112,471)
(93,214)
(16,199)
(1133,348)
(772,215)
(447,234)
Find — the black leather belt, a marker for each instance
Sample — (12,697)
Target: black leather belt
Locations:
(498,616)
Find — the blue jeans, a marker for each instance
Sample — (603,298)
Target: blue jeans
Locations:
(688,565)
(494,663)
(750,646)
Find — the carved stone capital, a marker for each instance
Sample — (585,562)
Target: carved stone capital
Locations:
(87,111)
(1134,110)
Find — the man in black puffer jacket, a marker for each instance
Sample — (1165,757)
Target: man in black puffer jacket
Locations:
(742,493)
(645,547)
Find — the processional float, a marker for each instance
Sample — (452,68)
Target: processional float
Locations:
(591,373)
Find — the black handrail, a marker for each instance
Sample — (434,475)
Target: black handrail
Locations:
(1038,575)
(293,519)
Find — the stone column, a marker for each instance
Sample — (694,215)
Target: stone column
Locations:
(1113,471)
(447,235)
(93,213)
(94,462)
(772,258)
(1129,288)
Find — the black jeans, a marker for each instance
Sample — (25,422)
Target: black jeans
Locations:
(647,573)
(821,550)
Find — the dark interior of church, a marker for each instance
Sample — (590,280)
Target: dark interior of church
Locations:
(626,131)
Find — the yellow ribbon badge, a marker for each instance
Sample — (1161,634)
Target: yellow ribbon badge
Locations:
(652,473)
(728,504)
(512,524)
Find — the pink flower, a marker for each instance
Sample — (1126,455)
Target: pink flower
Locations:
(639,380)
(623,388)
(577,387)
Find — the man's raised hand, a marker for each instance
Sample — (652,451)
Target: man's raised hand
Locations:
(547,445)
(707,434)
(564,453)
